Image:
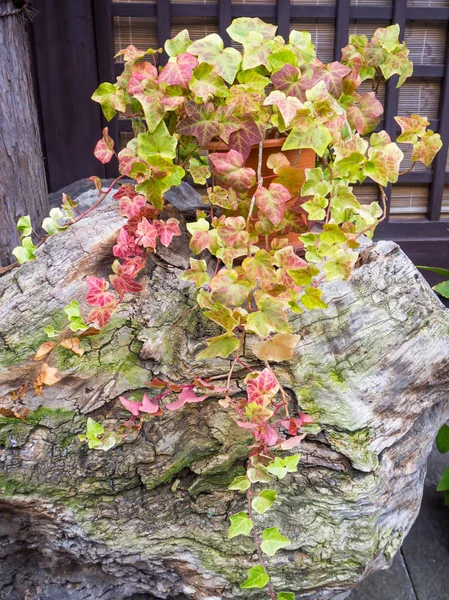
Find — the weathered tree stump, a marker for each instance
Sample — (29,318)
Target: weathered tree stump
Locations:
(149,518)
(23,187)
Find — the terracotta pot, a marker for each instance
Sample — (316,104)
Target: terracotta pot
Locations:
(300,159)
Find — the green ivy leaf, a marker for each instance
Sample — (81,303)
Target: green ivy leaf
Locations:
(222,345)
(257,578)
(179,44)
(111,98)
(273,541)
(76,321)
(159,142)
(315,183)
(278,468)
(443,484)
(286,596)
(442,440)
(291,462)
(26,252)
(241,524)
(24,226)
(50,331)
(271,316)
(50,224)
(240,483)
(442,288)
(197,272)
(264,501)
(211,50)
(259,474)
(312,298)
(316,136)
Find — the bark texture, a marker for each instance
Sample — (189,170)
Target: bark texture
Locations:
(149,518)
(23,188)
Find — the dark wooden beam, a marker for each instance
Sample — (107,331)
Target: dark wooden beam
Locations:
(283,18)
(163,26)
(439,164)
(224,20)
(341,27)
(129,9)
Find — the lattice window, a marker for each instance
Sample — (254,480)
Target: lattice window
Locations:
(198,27)
(426,42)
(141,32)
(409,202)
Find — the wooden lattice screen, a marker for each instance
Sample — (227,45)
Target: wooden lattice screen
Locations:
(418,207)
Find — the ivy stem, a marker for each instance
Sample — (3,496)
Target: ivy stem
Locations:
(409,170)
(102,197)
(259,184)
(285,398)
(384,202)
(257,541)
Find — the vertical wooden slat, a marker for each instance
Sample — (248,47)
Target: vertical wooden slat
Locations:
(224,20)
(104,39)
(163,25)
(439,165)
(283,18)
(341,27)
(392,92)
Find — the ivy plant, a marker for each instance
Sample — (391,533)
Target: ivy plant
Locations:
(199,117)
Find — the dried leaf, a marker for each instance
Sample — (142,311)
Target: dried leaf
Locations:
(73,344)
(44,350)
(280,347)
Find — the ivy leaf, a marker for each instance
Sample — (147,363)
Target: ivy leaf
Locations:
(164,175)
(130,207)
(233,232)
(101,315)
(241,524)
(199,171)
(249,133)
(442,440)
(259,473)
(230,168)
(111,98)
(286,596)
(333,77)
(264,501)
(187,396)
(442,288)
(315,183)
(301,42)
(167,230)
(179,44)
(126,245)
(427,147)
(272,201)
(339,266)
(229,286)
(196,273)
(24,226)
(288,80)
(179,70)
(200,235)
(383,163)
(312,298)
(146,234)
(93,431)
(366,116)
(316,207)
(104,150)
(278,348)
(72,310)
(443,484)
(260,268)
(316,136)
(222,345)
(206,84)
(139,74)
(222,315)
(159,142)
(151,102)
(51,224)
(25,252)
(257,578)
(240,29)
(412,127)
(273,541)
(123,281)
(97,294)
(271,316)
(263,388)
(240,483)
(210,49)
(201,122)
(44,350)
(287,105)
(303,275)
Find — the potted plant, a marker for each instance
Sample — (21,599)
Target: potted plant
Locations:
(286,136)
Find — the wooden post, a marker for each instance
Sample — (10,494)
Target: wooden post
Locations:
(23,187)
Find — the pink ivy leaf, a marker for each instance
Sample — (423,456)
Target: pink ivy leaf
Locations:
(246,424)
(126,245)
(101,315)
(167,230)
(104,150)
(148,406)
(127,189)
(186,396)
(230,168)
(130,207)
(272,201)
(288,80)
(127,158)
(366,116)
(146,234)
(263,387)
(333,77)
(179,70)
(287,259)
(267,434)
(97,294)
(140,72)
(133,407)
(132,265)
(292,442)
(124,283)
